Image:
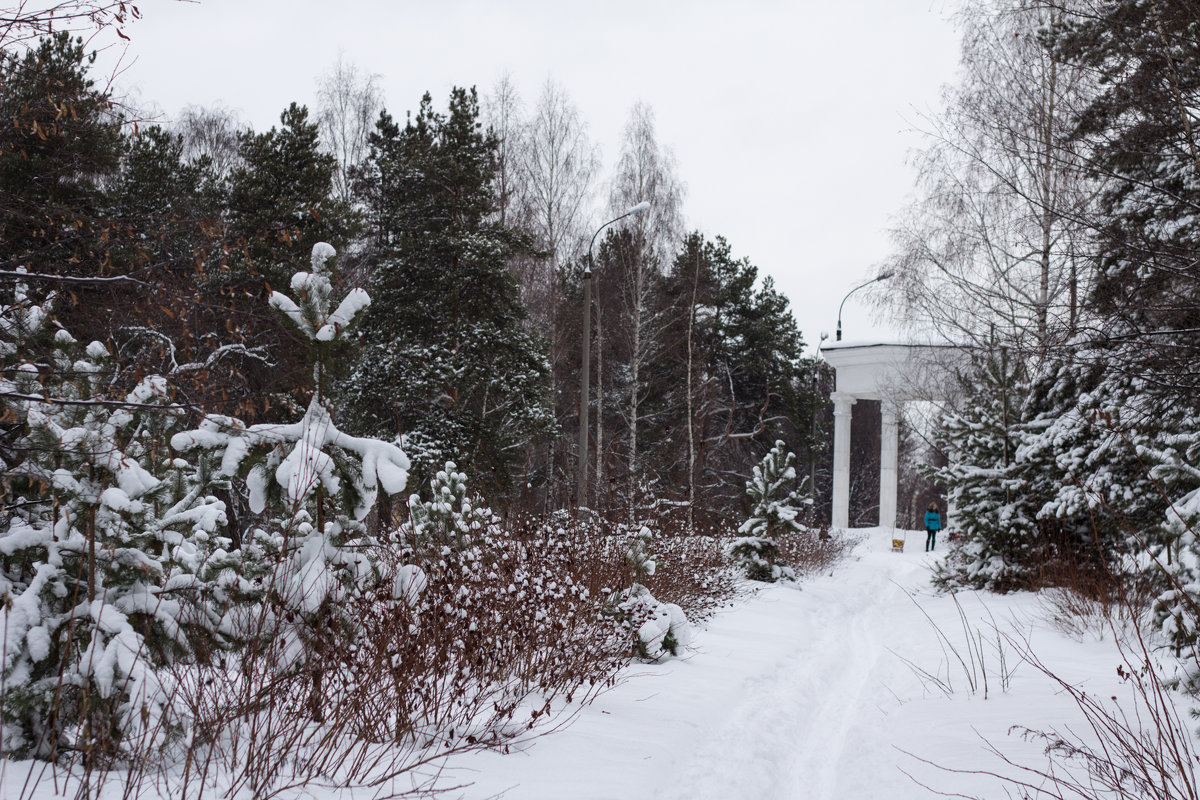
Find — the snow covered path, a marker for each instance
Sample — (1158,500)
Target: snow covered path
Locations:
(806,694)
(793,719)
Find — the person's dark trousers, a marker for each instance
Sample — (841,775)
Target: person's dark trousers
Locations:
(930,537)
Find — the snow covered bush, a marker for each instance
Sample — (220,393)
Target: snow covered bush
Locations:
(107,547)
(662,629)
(659,630)
(774,512)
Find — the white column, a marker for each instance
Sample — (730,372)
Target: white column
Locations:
(843,404)
(889,454)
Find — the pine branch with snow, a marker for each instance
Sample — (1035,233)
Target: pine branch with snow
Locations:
(450,522)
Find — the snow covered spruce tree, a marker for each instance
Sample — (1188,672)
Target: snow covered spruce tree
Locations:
(315,485)
(985,483)
(1063,471)
(474,379)
(774,511)
(1144,397)
(107,548)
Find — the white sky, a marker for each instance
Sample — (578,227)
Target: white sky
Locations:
(790,121)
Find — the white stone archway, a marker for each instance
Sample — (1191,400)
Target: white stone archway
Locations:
(892,373)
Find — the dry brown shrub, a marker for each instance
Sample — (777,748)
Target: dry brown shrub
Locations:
(1088,600)
(815,551)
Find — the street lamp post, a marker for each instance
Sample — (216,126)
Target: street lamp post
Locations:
(586,366)
(883,276)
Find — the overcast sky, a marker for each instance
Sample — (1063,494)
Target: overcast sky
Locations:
(791,122)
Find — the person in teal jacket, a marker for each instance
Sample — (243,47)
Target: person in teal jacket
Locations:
(933,524)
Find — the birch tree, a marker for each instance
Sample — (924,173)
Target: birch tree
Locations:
(210,138)
(348,103)
(559,169)
(503,112)
(995,244)
(645,172)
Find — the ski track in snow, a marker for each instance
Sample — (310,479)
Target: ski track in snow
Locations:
(827,729)
(791,726)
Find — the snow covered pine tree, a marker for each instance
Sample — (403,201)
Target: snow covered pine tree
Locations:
(106,547)
(774,512)
(317,485)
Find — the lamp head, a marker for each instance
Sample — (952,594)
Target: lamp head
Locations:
(639,208)
(887,273)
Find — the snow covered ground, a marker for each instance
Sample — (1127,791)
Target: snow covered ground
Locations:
(807,694)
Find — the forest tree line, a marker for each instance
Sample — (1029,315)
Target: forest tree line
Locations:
(468,224)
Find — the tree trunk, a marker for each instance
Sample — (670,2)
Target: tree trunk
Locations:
(634,372)
(232,525)
(91,537)
(1047,216)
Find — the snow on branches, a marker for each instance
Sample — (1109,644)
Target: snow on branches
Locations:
(289,463)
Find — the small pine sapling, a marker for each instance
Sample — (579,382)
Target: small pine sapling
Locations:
(315,483)
(774,512)
(449,524)
(660,629)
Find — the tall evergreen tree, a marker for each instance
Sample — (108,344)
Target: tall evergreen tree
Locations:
(450,367)
(59,141)
(1142,127)
(281,200)
(1132,382)
(175,322)
(60,144)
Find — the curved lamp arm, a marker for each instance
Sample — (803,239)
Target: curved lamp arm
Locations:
(639,208)
(883,276)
